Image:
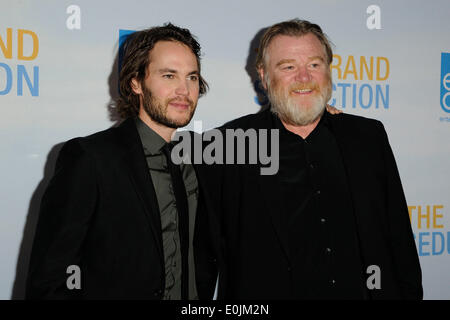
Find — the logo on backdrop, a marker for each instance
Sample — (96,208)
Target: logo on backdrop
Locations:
(431,239)
(18,50)
(360,82)
(445,84)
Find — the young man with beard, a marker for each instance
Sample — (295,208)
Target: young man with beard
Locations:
(117,219)
(333,222)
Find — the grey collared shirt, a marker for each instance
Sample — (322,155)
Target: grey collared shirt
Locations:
(162,183)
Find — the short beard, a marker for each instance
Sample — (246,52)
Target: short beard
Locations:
(158,112)
(289,110)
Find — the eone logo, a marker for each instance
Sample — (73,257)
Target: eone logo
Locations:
(445,81)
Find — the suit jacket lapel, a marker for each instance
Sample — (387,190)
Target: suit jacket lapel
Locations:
(270,189)
(209,205)
(134,160)
(347,145)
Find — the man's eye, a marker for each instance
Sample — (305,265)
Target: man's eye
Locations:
(193,77)
(288,67)
(168,76)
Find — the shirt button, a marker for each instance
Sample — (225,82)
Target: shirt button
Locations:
(328,250)
(333,281)
(157,293)
(322,220)
(311,166)
(318,192)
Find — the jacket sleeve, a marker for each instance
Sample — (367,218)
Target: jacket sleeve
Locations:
(405,258)
(65,213)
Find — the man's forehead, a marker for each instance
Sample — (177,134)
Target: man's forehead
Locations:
(285,42)
(285,47)
(174,53)
(168,46)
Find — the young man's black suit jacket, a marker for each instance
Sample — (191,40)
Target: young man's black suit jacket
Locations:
(251,242)
(100,213)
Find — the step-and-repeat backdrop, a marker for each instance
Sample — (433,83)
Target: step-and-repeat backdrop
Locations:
(58,78)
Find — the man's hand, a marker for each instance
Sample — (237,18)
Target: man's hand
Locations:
(333,110)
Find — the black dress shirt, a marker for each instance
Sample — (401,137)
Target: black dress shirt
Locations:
(323,241)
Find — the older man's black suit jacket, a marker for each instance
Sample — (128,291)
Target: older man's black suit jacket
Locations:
(251,242)
(100,213)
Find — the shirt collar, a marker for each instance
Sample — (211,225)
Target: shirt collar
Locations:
(151,141)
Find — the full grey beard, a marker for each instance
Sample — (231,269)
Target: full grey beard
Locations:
(291,111)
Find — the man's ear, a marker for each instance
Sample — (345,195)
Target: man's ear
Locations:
(262,76)
(136,86)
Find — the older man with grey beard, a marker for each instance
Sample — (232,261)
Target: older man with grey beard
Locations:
(332,223)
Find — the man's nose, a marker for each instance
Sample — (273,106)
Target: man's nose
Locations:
(303,74)
(182,88)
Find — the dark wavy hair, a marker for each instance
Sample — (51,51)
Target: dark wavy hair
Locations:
(294,27)
(135,60)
